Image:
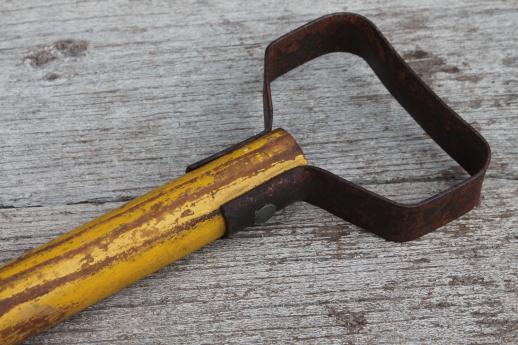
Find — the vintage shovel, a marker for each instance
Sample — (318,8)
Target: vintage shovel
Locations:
(241,186)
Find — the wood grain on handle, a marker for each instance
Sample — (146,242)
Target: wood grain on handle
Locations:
(107,254)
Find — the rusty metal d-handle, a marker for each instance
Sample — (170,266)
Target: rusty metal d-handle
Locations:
(352,33)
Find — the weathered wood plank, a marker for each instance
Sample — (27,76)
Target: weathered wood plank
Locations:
(103,101)
(307,275)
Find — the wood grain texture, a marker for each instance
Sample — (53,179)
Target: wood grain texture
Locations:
(103,101)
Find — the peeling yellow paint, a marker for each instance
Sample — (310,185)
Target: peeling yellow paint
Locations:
(107,254)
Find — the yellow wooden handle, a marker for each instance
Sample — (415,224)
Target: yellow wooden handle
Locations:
(107,254)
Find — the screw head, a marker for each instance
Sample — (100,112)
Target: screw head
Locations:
(264,213)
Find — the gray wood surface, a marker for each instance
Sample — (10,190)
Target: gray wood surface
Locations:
(103,101)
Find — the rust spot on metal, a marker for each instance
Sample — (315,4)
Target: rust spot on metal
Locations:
(187,213)
(87,260)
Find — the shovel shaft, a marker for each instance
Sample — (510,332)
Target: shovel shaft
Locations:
(82,267)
